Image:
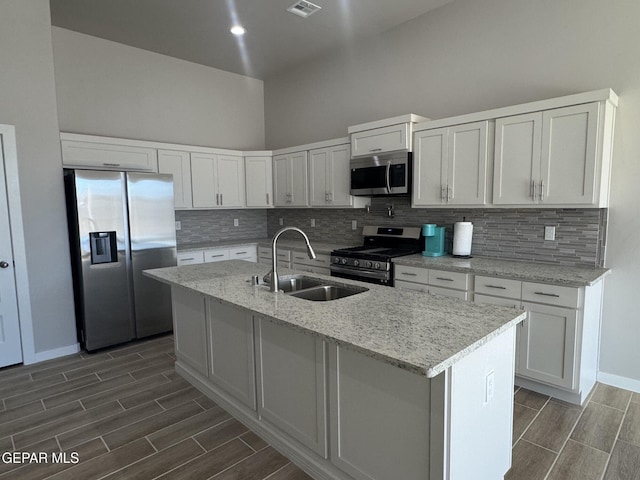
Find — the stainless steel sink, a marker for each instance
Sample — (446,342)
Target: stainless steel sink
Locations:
(324,293)
(293,283)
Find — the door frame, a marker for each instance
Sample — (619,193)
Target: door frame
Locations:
(10,153)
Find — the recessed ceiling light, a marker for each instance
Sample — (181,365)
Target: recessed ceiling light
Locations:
(238,30)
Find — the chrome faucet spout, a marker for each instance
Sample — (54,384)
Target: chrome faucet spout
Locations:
(274,257)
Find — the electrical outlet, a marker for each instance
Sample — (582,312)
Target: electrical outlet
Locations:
(313,222)
(354,224)
(236,222)
(281,221)
(178,225)
(490,386)
(549,233)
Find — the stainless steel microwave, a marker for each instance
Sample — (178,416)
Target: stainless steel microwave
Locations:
(384,174)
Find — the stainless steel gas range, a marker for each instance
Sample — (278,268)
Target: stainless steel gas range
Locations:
(372,262)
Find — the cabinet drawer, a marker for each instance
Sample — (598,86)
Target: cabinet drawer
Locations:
(551,294)
(216,255)
(190,258)
(321,260)
(489,300)
(442,278)
(108,156)
(447,292)
(247,252)
(418,287)
(501,287)
(412,274)
(283,255)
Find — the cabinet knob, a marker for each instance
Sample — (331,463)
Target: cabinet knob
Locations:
(4,264)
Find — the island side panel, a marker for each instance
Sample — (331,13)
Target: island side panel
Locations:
(379,417)
(481,410)
(190,329)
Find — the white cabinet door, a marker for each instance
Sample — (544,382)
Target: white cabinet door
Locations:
(320,181)
(203,180)
(108,156)
(178,164)
(547,348)
(385,139)
(292,393)
(517,159)
(431,150)
(259,181)
(190,328)
(568,158)
(232,357)
(467,164)
(281,180)
(299,180)
(230,181)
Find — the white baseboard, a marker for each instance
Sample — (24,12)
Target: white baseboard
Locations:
(618,381)
(51,354)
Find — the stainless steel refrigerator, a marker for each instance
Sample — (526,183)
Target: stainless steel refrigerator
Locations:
(119,225)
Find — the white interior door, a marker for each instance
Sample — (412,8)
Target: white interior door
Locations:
(10,346)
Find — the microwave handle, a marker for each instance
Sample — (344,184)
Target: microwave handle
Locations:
(386,176)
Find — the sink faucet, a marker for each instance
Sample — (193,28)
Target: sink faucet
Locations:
(274,259)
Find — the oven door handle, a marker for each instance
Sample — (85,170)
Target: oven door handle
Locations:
(377,274)
(386,176)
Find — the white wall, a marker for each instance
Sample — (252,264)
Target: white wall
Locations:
(474,55)
(28,101)
(106,88)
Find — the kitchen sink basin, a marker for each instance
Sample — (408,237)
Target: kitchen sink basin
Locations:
(293,283)
(324,293)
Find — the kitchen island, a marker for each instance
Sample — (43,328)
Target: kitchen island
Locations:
(382,384)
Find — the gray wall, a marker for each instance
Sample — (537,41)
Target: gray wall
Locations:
(473,55)
(28,101)
(106,88)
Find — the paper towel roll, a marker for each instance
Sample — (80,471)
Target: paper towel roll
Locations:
(462,235)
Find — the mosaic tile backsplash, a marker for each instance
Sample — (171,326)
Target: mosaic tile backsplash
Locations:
(516,234)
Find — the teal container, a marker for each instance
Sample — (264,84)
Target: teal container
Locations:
(433,240)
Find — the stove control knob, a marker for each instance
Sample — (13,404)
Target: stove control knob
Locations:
(356,263)
(336,260)
(368,264)
(377,266)
(343,261)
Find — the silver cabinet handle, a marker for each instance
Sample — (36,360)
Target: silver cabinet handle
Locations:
(216,256)
(111,164)
(496,286)
(182,259)
(449,191)
(217,199)
(409,274)
(241,253)
(221,203)
(532,189)
(445,279)
(547,294)
(4,264)
(386,176)
(542,190)
(267,199)
(375,150)
(442,194)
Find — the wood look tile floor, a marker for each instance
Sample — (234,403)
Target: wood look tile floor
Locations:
(126,414)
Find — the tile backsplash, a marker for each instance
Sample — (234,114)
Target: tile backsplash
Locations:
(516,234)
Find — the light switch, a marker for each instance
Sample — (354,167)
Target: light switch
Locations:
(313,222)
(236,222)
(281,221)
(549,233)
(354,224)
(178,225)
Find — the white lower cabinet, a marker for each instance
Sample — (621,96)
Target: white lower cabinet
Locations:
(190,329)
(435,282)
(243,252)
(547,345)
(284,257)
(320,264)
(190,258)
(231,363)
(292,392)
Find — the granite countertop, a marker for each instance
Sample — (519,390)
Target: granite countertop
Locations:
(527,271)
(298,245)
(424,334)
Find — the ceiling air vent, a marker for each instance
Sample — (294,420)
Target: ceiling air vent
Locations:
(303,8)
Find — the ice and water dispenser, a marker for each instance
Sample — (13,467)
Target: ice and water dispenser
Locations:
(103,247)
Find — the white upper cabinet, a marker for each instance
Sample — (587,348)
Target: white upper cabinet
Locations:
(290,180)
(107,154)
(178,164)
(329,178)
(450,165)
(217,181)
(379,140)
(259,181)
(555,157)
